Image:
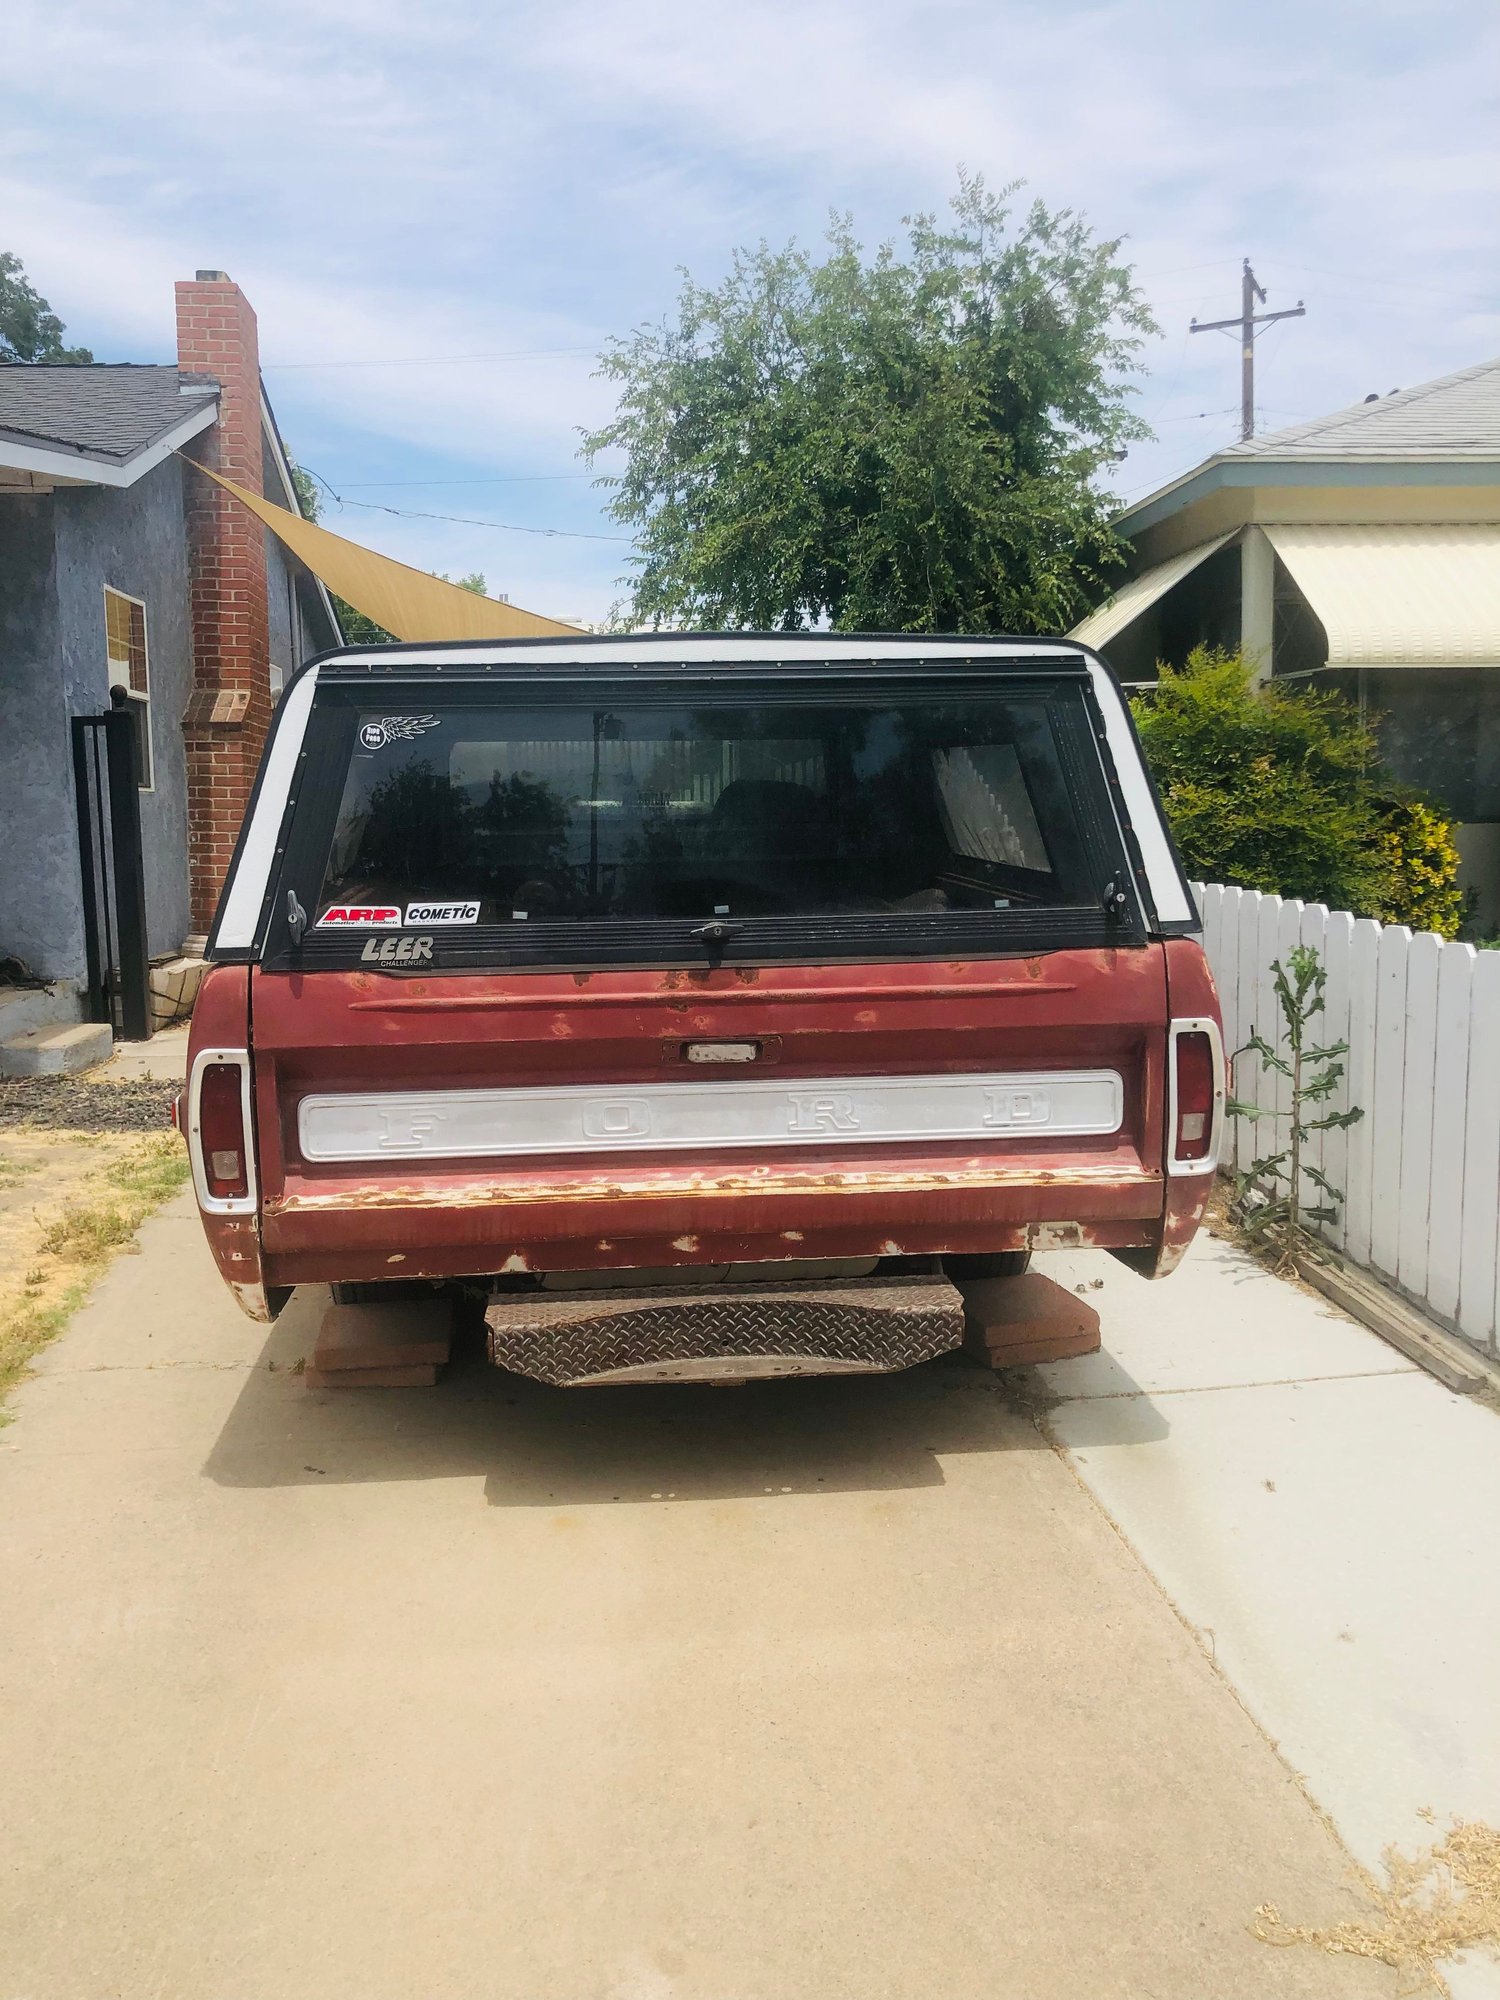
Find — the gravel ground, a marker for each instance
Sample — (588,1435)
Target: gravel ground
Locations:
(77,1104)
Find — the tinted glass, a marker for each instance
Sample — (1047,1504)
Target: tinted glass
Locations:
(546,813)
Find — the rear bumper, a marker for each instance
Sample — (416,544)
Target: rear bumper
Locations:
(356,1228)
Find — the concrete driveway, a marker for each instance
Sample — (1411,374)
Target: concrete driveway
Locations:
(825,1689)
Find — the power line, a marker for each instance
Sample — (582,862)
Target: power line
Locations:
(435,360)
(472,521)
(498,479)
(1491,304)
(463,520)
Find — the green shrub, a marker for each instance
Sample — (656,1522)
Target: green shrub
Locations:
(1283,790)
(1420,852)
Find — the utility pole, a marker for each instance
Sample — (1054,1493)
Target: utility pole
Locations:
(1250,292)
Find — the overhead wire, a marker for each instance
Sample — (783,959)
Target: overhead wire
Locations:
(463,520)
(497,479)
(435,360)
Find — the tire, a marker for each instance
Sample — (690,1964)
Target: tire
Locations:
(989,1264)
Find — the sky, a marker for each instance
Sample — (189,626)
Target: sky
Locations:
(441,211)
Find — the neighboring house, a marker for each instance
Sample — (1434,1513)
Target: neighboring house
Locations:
(127,578)
(1360,551)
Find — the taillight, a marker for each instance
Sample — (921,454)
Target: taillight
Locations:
(1197,1095)
(221,1132)
(219,1137)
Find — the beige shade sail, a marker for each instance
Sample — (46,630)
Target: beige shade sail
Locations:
(406,602)
(1425,596)
(1132,598)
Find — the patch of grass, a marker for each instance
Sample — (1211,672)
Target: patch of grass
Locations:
(80,1242)
(12,1171)
(145,1177)
(153,1170)
(26,1326)
(86,1235)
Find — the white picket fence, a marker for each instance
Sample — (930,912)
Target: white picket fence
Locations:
(1421,1170)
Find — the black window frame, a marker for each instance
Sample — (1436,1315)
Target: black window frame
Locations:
(614,943)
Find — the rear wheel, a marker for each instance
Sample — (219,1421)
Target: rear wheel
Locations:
(990,1264)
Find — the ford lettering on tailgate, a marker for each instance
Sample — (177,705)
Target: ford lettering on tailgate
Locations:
(568,1118)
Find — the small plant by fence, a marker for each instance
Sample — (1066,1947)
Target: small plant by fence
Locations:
(1421,1170)
(1273,1203)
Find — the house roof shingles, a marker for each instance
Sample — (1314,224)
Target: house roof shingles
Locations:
(1455,416)
(102,411)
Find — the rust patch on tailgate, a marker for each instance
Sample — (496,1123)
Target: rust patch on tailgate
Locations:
(574,1188)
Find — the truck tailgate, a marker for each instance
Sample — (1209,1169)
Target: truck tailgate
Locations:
(417,1125)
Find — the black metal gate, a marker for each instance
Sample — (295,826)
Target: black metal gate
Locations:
(114,886)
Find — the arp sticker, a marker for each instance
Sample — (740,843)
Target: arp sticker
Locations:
(397,951)
(426,915)
(360,916)
(383,729)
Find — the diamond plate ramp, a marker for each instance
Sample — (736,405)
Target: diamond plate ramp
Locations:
(725,1332)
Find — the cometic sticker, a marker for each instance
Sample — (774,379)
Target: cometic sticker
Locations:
(364,916)
(428,914)
(384,729)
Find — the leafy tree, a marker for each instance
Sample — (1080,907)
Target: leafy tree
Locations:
(304,486)
(358,630)
(1284,790)
(29,329)
(903,442)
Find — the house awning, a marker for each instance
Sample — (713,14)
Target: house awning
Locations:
(1400,596)
(406,602)
(1132,598)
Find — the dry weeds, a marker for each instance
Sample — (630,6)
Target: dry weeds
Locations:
(1433,1906)
(69,1202)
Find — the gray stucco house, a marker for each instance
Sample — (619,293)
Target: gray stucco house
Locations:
(1359,551)
(123,584)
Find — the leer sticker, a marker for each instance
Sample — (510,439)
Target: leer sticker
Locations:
(363,915)
(397,951)
(427,914)
(384,729)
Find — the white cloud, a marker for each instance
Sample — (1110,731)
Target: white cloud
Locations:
(386,180)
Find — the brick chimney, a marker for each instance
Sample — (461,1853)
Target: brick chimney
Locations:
(230,708)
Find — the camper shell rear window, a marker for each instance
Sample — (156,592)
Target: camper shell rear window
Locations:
(594,820)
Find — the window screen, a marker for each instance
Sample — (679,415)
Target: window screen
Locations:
(547,813)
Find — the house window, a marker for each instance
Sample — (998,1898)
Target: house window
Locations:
(129,670)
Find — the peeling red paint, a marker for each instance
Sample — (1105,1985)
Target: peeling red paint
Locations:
(352,1030)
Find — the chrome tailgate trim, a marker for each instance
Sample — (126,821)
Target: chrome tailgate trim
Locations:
(727,1112)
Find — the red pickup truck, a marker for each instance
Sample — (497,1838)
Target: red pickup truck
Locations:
(723,963)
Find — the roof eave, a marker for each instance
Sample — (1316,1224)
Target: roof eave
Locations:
(58,461)
(1473,468)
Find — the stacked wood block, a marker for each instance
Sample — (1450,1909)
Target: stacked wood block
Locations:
(1009,1322)
(396,1346)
